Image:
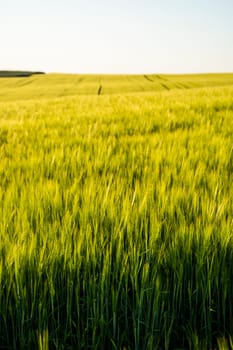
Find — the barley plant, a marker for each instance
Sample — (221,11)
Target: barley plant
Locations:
(116,214)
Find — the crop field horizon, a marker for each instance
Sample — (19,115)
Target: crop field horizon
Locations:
(116,212)
(48,86)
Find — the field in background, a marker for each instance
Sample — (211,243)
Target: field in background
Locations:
(116,212)
(61,85)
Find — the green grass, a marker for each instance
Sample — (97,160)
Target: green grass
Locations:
(116,213)
(61,85)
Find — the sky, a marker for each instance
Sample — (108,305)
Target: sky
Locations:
(117,36)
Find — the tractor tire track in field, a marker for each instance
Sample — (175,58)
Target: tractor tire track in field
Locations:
(165,86)
(99,90)
(100,87)
(148,78)
(161,78)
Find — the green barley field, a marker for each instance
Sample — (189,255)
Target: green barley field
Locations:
(116,212)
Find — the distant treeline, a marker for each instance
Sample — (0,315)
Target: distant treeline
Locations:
(13,74)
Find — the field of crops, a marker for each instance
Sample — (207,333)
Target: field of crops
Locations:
(61,85)
(116,212)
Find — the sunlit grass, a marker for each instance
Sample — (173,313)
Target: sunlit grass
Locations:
(48,86)
(116,221)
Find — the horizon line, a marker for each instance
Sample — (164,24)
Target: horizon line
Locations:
(114,73)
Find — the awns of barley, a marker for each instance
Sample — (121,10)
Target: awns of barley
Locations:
(116,222)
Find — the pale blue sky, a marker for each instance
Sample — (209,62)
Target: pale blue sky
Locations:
(117,36)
